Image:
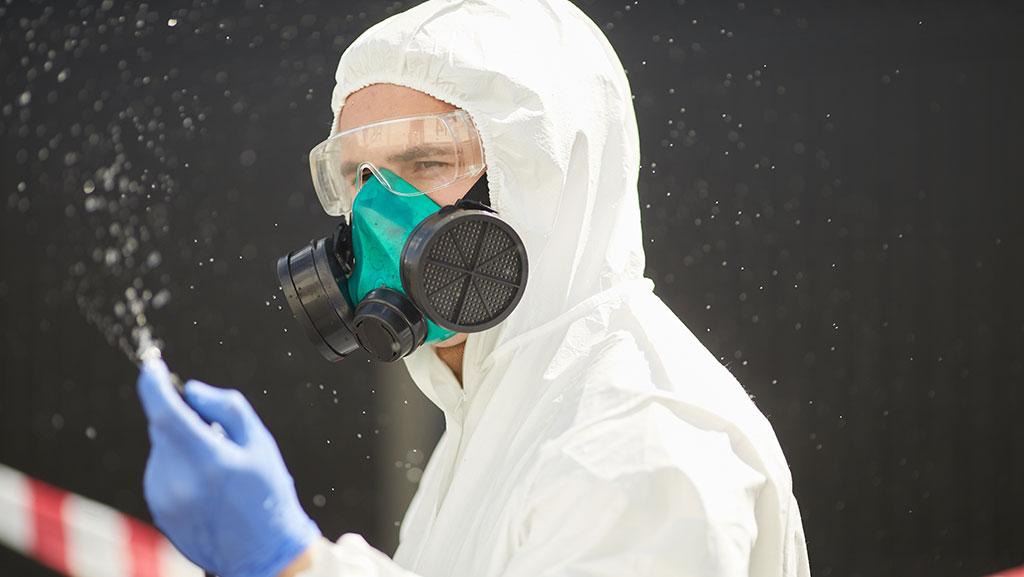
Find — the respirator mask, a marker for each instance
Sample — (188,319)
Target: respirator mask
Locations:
(400,270)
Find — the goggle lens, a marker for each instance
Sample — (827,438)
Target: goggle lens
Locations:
(428,152)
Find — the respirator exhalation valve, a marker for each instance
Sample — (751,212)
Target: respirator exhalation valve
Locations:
(387,325)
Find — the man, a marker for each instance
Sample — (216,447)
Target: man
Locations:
(589,432)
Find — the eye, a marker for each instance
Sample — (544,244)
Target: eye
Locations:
(429,164)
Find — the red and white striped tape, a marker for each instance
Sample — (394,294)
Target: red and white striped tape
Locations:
(80,537)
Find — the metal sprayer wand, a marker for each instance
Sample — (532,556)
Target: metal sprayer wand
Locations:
(149,350)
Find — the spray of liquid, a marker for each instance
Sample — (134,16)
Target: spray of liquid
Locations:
(121,177)
(112,293)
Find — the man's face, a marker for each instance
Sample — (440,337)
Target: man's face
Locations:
(379,102)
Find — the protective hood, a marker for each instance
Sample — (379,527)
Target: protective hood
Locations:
(554,111)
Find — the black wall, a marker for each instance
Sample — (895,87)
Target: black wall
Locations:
(832,203)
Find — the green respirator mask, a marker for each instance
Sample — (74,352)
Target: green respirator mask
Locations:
(404,272)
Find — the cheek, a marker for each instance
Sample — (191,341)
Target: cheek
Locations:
(451,193)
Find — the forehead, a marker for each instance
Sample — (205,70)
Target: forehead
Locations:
(378,102)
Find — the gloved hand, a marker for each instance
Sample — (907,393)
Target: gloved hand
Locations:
(226,501)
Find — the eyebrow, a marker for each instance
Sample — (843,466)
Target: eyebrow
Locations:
(414,153)
(418,152)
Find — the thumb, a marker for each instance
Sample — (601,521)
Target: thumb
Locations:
(225,406)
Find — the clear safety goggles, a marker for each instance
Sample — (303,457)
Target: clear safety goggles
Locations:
(428,152)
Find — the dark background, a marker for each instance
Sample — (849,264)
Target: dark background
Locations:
(832,203)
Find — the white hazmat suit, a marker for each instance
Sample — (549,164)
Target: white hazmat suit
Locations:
(593,435)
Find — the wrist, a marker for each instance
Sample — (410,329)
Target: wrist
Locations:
(301,563)
(287,555)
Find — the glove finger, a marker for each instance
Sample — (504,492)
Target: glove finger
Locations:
(168,412)
(225,406)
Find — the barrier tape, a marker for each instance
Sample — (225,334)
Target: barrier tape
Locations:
(83,538)
(80,537)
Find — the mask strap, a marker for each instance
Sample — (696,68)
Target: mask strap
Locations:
(480,193)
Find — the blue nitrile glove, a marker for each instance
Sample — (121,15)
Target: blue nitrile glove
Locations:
(227,502)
